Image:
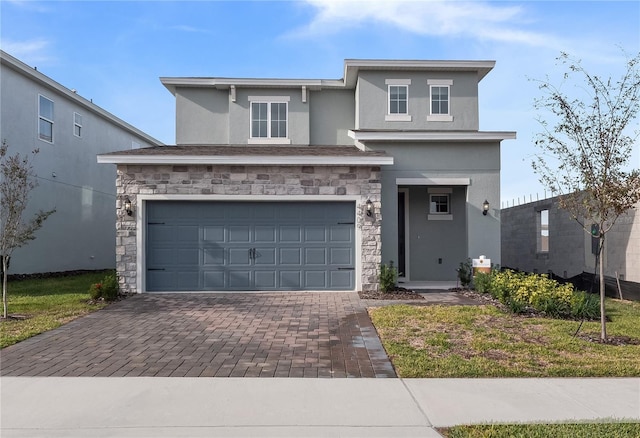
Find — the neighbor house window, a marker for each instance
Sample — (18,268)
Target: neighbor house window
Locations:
(543,231)
(45,119)
(398,100)
(440,98)
(77,125)
(269,121)
(440,203)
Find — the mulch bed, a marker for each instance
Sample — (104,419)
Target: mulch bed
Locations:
(399,293)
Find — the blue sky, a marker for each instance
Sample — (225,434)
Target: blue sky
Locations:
(114,51)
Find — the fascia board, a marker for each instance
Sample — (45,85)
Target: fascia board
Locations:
(432,136)
(245,160)
(224,83)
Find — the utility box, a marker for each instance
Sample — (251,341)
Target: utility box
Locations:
(481,264)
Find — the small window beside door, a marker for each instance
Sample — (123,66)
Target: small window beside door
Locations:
(439,204)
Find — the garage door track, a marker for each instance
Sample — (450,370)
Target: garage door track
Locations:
(290,334)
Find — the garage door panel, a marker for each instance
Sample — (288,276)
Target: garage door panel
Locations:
(222,245)
(213,256)
(290,233)
(340,256)
(315,256)
(239,234)
(265,280)
(265,234)
(214,234)
(290,280)
(213,280)
(265,256)
(239,256)
(290,256)
(315,280)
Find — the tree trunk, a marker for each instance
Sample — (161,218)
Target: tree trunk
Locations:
(4,287)
(603,317)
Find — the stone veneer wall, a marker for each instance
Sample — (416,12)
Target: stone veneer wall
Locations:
(363,181)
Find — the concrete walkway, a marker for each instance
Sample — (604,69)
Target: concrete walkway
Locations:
(292,407)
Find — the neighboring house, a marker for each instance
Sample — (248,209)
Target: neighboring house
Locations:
(541,237)
(38,113)
(288,184)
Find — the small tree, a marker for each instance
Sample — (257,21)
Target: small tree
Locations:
(586,151)
(16,182)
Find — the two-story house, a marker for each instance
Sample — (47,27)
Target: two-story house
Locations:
(37,112)
(310,184)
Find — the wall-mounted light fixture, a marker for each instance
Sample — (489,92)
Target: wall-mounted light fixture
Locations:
(127,206)
(369,207)
(485,207)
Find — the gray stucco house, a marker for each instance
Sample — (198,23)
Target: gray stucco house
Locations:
(310,184)
(37,112)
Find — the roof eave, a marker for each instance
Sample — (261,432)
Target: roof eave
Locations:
(273,160)
(475,136)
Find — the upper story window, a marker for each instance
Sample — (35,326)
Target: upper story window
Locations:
(398,100)
(45,119)
(269,119)
(77,125)
(440,99)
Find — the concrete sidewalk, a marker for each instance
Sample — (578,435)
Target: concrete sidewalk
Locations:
(291,407)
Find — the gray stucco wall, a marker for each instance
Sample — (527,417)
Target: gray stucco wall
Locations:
(373,101)
(569,245)
(202,116)
(480,163)
(331,114)
(80,234)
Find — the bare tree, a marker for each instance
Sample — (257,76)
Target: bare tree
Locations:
(587,146)
(16,182)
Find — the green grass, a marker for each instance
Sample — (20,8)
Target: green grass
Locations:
(483,341)
(44,304)
(582,430)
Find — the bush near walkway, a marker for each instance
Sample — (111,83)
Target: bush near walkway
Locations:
(519,291)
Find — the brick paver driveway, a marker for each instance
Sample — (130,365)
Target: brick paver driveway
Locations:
(288,334)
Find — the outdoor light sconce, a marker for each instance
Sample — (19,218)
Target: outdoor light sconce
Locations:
(127,206)
(485,207)
(369,207)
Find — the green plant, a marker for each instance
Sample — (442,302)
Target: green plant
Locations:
(482,282)
(585,306)
(388,277)
(465,272)
(107,289)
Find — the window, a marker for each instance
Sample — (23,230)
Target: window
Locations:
(269,120)
(45,119)
(543,231)
(439,204)
(77,125)
(439,90)
(398,100)
(439,100)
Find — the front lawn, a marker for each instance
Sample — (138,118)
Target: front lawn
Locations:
(582,430)
(483,341)
(39,305)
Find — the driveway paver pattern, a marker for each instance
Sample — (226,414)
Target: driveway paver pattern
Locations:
(285,334)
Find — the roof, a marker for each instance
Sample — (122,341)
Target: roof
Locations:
(351,69)
(45,81)
(382,135)
(248,155)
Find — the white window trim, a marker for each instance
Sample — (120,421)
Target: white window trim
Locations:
(268,139)
(434,216)
(439,117)
(397,117)
(40,116)
(75,123)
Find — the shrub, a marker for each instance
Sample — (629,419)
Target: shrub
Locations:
(388,277)
(482,282)
(465,273)
(585,306)
(107,289)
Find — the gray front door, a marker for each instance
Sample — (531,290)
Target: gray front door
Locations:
(199,246)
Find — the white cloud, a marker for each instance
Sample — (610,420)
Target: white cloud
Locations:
(430,18)
(29,5)
(191,29)
(35,51)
